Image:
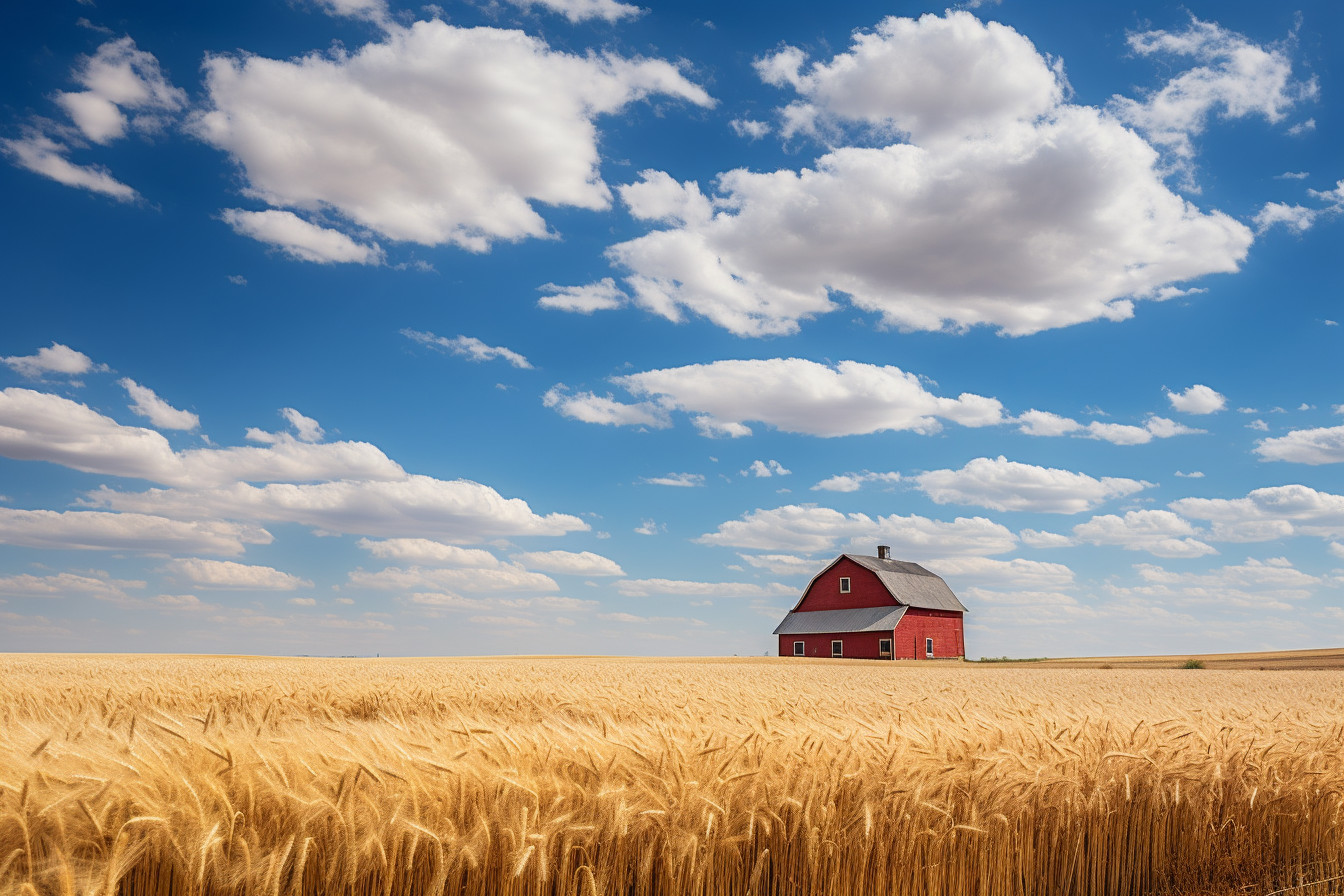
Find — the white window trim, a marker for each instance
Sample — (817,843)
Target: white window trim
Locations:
(881,649)
(837,648)
(928,648)
(799,648)
(844,584)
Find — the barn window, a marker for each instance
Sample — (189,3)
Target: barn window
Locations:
(928,647)
(837,648)
(844,584)
(884,647)
(797,648)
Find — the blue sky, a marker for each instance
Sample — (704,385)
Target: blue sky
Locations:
(570,326)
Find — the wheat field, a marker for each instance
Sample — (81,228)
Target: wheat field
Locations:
(216,775)
(1320,658)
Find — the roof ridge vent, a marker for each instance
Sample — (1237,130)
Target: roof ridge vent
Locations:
(883,552)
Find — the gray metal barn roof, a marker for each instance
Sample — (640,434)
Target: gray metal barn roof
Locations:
(911,583)
(820,622)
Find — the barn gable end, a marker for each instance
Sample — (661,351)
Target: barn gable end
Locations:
(823,592)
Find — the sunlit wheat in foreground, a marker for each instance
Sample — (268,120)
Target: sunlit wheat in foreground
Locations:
(605,776)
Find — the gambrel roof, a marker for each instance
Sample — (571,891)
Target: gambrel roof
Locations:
(909,584)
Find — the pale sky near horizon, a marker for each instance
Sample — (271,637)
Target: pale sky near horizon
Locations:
(573,326)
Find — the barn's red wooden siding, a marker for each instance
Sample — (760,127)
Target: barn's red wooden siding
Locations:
(858,645)
(864,590)
(943,626)
(907,639)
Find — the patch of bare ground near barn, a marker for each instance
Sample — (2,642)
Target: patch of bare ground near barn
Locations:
(1323,658)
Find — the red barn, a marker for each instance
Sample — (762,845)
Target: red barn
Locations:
(875,608)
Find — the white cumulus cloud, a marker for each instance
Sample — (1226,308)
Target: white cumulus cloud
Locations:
(797,395)
(604,295)
(145,533)
(435,134)
(148,404)
(589,407)
(468,347)
(784,564)
(426,552)
(1045,423)
(66,584)
(852,482)
(119,77)
(1198,399)
(371,10)
(1018,572)
(764,469)
(1051,606)
(226,574)
(1323,445)
(1235,79)
(677,480)
(414,506)
(286,459)
(1034,538)
(1297,218)
(505,577)
(1289,509)
(1001,484)
(55,358)
(305,428)
(1258,585)
(42,155)
(571,563)
(749,128)
(583,10)
(682,588)
(1154,427)
(300,239)
(1005,207)
(1159,532)
(41,426)
(893,78)
(710,428)
(810,529)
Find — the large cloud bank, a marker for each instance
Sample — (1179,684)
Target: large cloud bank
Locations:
(995,202)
